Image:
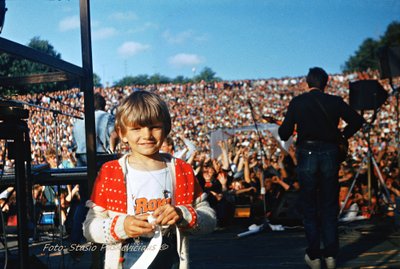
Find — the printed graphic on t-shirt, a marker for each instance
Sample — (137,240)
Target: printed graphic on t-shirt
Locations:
(143,205)
(148,190)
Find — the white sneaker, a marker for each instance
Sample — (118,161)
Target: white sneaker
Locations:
(330,263)
(314,264)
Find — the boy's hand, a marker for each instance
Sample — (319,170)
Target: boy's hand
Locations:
(135,226)
(167,215)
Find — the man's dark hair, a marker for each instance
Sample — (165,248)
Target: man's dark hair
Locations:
(317,78)
(99,102)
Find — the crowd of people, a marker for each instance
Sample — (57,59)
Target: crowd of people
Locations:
(246,173)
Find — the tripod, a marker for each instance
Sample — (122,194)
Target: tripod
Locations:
(370,160)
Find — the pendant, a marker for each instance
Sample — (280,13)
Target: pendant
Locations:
(166,194)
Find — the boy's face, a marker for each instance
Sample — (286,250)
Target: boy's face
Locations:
(144,140)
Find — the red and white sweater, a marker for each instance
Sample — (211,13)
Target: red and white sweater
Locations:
(104,223)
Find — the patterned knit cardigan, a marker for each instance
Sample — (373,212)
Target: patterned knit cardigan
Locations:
(104,223)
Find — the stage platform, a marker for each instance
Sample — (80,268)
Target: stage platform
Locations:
(365,244)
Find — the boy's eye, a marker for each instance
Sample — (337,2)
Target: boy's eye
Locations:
(134,128)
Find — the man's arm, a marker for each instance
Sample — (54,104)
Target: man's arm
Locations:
(352,118)
(287,127)
(114,139)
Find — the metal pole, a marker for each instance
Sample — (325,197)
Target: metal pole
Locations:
(20,173)
(87,88)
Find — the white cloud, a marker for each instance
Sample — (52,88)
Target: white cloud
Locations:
(104,33)
(123,16)
(132,48)
(177,38)
(144,27)
(184,59)
(69,23)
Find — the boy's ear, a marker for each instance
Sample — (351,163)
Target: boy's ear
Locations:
(122,137)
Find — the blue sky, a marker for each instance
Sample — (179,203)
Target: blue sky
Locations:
(238,39)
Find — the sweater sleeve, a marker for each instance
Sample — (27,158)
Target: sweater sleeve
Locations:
(198,217)
(99,227)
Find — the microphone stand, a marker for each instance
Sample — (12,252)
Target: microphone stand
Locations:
(265,223)
(257,130)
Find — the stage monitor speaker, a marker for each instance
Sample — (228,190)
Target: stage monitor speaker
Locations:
(367,95)
(288,211)
(389,59)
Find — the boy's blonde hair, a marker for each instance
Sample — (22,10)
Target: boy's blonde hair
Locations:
(142,108)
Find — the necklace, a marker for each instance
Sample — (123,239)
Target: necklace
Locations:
(165,192)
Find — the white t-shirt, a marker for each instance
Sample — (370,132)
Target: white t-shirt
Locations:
(145,190)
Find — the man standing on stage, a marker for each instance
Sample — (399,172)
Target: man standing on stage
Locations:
(318,164)
(106,137)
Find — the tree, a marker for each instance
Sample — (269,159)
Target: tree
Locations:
(367,54)
(392,35)
(97,81)
(181,80)
(131,81)
(11,66)
(159,79)
(366,57)
(207,74)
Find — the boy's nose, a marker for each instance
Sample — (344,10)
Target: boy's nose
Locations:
(146,132)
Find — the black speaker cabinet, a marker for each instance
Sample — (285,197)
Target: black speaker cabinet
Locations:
(367,95)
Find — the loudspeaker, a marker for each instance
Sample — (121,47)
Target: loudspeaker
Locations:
(367,95)
(288,211)
(389,59)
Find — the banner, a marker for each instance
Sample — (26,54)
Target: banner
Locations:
(224,134)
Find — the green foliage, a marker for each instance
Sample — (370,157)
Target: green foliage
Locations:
(97,81)
(392,35)
(11,66)
(367,54)
(159,79)
(181,80)
(365,57)
(207,75)
(131,81)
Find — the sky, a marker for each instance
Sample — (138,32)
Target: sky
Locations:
(237,39)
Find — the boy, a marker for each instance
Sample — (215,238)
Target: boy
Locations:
(146,194)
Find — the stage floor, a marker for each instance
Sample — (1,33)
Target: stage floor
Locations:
(364,244)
